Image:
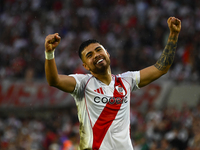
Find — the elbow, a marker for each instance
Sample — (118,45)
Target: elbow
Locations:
(163,69)
(52,83)
(164,72)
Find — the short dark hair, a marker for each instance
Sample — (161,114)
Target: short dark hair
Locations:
(86,44)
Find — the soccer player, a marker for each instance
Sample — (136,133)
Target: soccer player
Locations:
(103,99)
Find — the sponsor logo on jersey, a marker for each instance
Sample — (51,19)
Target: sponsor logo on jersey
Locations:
(99,90)
(111,100)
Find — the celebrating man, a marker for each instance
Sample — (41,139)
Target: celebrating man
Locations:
(103,99)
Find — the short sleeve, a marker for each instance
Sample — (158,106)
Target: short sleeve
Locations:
(81,80)
(133,78)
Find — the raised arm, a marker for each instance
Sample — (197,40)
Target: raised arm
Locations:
(165,61)
(62,82)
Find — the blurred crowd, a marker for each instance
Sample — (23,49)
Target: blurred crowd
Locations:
(153,129)
(166,129)
(133,31)
(46,130)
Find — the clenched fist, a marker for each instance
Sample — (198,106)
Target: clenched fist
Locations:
(174,25)
(51,42)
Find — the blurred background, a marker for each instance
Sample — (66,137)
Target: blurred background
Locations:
(165,115)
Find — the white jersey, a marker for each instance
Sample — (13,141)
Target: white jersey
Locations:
(104,111)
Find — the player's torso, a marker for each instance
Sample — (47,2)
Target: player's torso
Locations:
(99,96)
(107,112)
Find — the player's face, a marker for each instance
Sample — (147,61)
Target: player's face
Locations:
(95,58)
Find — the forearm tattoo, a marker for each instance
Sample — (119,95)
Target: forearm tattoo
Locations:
(167,57)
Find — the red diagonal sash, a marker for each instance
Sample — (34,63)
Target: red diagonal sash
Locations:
(106,117)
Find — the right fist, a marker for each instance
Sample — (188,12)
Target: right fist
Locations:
(51,42)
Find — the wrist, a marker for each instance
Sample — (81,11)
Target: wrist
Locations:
(174,34)
(49,55)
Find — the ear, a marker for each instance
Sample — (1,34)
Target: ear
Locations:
(86,67)
(107,53)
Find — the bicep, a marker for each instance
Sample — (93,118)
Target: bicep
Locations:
(66,83)
(149,74)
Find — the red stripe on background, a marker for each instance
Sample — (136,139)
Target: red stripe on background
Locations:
(105,119)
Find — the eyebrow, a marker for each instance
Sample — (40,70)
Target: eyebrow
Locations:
(88,54)
(97,47)
(91,52)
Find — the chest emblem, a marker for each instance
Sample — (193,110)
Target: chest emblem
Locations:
(120,90)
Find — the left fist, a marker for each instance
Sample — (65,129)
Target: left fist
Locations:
(174,25)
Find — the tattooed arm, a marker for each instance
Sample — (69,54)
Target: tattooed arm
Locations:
(167,57)
(163,64)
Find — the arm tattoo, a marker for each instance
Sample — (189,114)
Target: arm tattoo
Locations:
(167,57)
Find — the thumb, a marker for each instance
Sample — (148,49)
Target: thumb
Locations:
(54,45)
(174,26)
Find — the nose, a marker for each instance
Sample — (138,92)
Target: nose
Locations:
(96,55)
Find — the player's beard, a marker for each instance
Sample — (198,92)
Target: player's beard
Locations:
(101,68)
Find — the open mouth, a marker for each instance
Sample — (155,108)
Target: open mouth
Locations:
(99,61)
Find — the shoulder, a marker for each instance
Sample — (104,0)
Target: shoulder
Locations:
(80,77)
(81,81)
(132,77)
(129,74)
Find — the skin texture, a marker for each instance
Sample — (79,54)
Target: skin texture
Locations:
(149,74)
(51,42)
(95,52)
(167,57)
(97,60)
(91,55)
(63,82)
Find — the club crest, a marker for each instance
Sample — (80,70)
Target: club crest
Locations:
(120,90)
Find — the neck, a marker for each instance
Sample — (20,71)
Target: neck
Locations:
(104,77)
